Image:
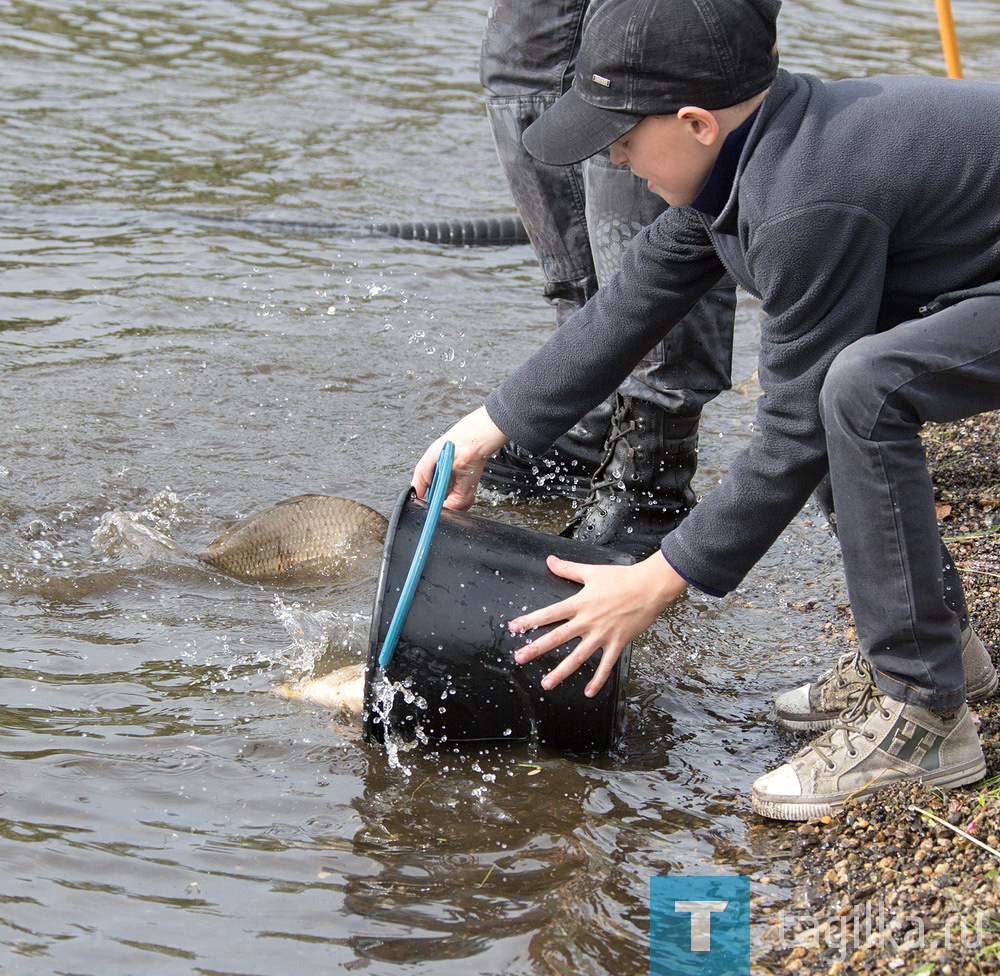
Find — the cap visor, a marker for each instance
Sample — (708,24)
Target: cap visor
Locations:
(571,130)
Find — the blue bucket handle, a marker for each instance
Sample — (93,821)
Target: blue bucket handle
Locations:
(435,502)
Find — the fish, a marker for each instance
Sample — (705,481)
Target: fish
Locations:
(300,538)
(343,689)
(304,537)
(312,539)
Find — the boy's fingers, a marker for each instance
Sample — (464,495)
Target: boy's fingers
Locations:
(570,663)
(578,572)
(419,482)
(457,495)
(423,473)
(545,643)
(465,479)
(551,614)
(603,672)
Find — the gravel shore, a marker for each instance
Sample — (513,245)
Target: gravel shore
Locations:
(889,885)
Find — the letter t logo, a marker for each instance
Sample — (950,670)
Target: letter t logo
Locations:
(701,923)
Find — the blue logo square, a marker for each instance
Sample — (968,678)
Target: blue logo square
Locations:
(700,926)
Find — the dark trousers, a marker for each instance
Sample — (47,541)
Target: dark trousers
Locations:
(877,395)
(580,218)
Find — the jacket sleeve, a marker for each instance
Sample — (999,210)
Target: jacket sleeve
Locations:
(665,270)
(821,274)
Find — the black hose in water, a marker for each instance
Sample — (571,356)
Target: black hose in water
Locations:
(458,232)
(452,232)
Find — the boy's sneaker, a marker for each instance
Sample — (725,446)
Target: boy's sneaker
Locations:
(817,705)
(878,741)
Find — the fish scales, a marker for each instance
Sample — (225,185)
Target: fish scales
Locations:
(307,534)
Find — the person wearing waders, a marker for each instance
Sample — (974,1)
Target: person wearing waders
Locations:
(864,215)
(630,460)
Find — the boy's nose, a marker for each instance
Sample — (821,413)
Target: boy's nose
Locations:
(617,155)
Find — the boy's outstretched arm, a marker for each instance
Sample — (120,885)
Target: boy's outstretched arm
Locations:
(616,604)
(475,437)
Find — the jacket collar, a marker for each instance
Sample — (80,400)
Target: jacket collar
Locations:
(783,87)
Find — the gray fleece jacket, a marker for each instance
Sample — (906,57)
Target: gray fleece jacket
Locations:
(856,205)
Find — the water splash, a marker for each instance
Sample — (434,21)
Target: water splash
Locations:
(126,536)
(140,538)
(383,698)
(320,636)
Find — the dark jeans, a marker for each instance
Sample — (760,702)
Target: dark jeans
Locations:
(580,218)
(877,395)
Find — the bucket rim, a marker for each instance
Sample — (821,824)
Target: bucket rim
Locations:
(383,571)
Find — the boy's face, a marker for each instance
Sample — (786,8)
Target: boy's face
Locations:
(670,153)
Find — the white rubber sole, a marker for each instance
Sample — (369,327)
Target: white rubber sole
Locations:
(801,808)
(805,725)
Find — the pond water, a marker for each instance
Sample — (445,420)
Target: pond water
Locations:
(161,809)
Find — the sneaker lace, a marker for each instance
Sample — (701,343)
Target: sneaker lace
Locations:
(845,663)
(852,719)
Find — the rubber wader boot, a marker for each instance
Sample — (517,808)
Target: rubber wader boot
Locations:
(642,489)
(565,469)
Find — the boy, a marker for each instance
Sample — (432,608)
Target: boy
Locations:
(864,216)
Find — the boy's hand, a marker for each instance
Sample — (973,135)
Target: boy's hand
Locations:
(616,604)
(475,437)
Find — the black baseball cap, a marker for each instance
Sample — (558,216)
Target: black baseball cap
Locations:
(653,57)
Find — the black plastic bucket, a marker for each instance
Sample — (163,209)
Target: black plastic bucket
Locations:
(455,655)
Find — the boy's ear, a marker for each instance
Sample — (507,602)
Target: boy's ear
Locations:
(701,123)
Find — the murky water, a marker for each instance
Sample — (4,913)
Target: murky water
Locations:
(160,809)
